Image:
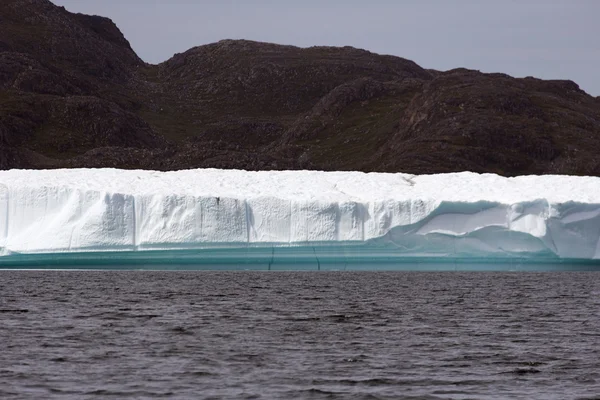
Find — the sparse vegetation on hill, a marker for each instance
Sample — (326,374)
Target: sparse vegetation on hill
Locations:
(74,94)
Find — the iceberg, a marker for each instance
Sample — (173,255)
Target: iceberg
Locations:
(292,219)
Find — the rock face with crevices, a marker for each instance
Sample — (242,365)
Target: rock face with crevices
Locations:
(73,93)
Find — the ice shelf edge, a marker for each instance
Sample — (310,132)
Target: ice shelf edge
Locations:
(453,216)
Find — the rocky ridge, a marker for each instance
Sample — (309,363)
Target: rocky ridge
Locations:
(73,93)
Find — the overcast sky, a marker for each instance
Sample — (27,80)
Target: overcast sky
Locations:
(552,39)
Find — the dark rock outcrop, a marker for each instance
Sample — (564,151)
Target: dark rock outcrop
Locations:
(74,94)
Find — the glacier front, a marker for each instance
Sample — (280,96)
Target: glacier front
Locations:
(288,219)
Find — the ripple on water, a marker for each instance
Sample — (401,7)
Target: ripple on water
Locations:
(299,335)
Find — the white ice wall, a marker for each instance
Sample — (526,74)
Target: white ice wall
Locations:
(112,210)
(3,218)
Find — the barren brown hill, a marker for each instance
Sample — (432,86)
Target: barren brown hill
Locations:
(74,94)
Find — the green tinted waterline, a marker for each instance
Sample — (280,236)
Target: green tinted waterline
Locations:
(287,258)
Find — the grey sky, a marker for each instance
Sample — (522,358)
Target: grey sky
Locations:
(551,39)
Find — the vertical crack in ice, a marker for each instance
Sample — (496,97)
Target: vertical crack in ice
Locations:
(75,217)
(4,244)
(363,217)
(552,243)
(247,222)
(317,257)
(597,250)
(290,224)
(338,217)
(134,222)
(70,246)
(7,212)
(201,216)
(272,257)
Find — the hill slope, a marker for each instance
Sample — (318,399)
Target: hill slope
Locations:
(74,94)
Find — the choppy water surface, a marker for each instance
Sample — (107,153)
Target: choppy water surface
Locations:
(299,335)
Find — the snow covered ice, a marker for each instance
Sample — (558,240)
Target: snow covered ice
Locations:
(345,216)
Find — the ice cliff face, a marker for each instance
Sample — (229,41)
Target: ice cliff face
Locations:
(463,214)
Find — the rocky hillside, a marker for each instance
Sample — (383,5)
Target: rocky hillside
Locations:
(74,94)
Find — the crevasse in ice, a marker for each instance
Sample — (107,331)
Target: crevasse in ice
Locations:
(459,215)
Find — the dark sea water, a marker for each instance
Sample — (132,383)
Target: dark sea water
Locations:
(310,335)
